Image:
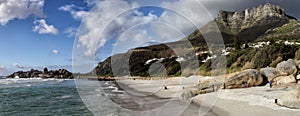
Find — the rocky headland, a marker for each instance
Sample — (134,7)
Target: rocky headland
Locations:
(58,74)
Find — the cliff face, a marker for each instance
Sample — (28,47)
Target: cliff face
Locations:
(248,25)
(263,15)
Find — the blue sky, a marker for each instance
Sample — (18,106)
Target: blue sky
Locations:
(22,48)
(41,33)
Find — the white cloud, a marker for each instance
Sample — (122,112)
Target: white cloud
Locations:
(16,65)
(76,12)
(132,38)
(50,67)
(2,67)
(55,52)
(105,22)
(71,31)
(19,9)
(4,71)
(43,28)
(103,19)
(182,17)
(193,10)
(92,2)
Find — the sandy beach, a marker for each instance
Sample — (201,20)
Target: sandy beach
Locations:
(233,102)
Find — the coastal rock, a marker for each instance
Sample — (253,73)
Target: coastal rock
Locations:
(298,77)
(288,67)
(291,99)
(186,95)
(284,80)
(246,78)
(61,73)
(208,86)
(271,73)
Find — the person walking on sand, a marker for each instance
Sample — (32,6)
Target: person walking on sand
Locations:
(271,82)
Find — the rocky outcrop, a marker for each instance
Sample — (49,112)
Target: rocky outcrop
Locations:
(289,67)
(262,15)
(247,78)
(284,80)
(60,74)
(291,99)
(186,95)
(210,85)
(271,73)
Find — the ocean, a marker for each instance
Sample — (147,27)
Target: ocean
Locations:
(80,97)
(40,97)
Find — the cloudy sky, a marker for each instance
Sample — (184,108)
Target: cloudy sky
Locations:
(43,33)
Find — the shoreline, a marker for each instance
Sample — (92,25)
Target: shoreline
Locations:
(191,109)
(249,101)
(243,101)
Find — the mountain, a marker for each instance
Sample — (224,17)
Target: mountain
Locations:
(247,25)
(265,22)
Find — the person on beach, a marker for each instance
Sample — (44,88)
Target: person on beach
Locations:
(271,82)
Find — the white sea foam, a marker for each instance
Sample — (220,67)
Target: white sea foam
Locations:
(111,87)
(117,91)
(64,97)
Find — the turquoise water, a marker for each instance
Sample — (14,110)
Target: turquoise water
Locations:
(40,97)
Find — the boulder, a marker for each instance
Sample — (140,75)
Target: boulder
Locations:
(284,80)
(271,73)
(209,85)
(186,95)
(246,78)
(289,67)
(298,77)
(290,99)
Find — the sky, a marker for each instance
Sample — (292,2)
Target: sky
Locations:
(77,34)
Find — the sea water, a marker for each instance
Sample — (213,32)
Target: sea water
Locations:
(78,97)
(36,96)
(40,97)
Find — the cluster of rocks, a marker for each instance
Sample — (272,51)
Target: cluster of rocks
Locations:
(60,74)
(285,73)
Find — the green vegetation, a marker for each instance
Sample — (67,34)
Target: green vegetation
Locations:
(259,58)
(289,31)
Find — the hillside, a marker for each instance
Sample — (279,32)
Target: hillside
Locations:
(267,22)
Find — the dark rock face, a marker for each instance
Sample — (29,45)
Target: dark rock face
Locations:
(263,15)
(61,74)
(247,25)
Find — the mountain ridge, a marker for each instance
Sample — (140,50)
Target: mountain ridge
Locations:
(249,25)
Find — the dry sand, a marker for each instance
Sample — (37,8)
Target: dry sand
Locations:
(233,102)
